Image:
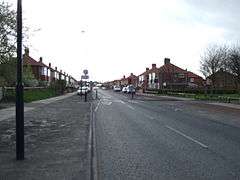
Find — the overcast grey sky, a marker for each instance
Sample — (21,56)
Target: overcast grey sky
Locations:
(124,36)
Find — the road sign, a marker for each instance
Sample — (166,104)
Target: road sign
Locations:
(85,71)
(84,77)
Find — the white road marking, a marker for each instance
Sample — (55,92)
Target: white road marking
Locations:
(177,109)
(109,103)
(122,102)
(97,106)
(131,101)
(148,116)
(187,137)
(130,107)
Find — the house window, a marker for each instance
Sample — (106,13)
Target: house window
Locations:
(56,75)
(44,71)
(181,75)
(192,80)
(48,72)
(153,76)
(149,78)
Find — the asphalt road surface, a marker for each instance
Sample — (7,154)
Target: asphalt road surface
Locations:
(147,138)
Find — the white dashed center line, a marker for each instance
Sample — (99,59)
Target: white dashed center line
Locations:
(187,137)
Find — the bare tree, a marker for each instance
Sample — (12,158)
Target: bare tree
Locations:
(214,58)
(234,63)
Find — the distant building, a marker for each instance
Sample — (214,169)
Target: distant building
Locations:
(124,81)
(42,72)
(132,79)
(39,69)
(222,80)
(168,76)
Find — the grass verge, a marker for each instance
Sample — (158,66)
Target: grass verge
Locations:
(31,94)
(209,97)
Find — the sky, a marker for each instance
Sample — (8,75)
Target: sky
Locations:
(112,38)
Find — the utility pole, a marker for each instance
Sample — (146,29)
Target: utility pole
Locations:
(19,89)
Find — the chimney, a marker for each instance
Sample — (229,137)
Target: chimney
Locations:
(124,77)
(40,59)
(154,66)
(147,69)
(166,61)
(56,68)
(26,51)
(131,74)
(50,65)
(61,71)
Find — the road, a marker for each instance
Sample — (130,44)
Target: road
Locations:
(146,138)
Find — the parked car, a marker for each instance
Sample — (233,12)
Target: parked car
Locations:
(95,88)
(83,90)
(131,89)
(104,88)
(116,88)
(124,89)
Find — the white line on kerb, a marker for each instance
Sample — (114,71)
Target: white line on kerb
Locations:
(187,137)
(97,106)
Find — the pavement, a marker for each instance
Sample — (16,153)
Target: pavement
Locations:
(56,140)
(149,138)
(230,105)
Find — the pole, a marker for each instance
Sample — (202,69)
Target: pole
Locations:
(85,95)
(81,88)
(19,89)
(96,94)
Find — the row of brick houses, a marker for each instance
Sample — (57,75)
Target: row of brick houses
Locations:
(47,73)
(168,76)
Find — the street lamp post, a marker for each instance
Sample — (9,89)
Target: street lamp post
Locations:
(19,89)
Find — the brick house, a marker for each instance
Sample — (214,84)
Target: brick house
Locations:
(174,77)
(39,69)
(132,79)
(42,72)
(222,80)
(152,77)
(51,73)
(124,81)
(168,76)
(143,80)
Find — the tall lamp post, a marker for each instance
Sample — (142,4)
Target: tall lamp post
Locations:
(19,89)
